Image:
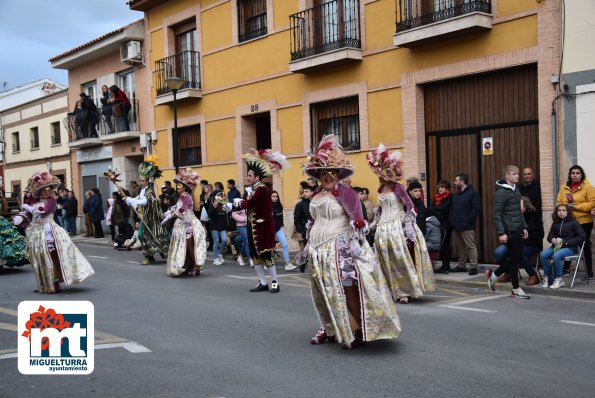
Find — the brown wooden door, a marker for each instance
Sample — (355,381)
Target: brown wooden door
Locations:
(460,113)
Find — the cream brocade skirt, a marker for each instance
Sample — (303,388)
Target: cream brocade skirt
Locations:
(74,266)
(176,255)
(406,276)
(378,316)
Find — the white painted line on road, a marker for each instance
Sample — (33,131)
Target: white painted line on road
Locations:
(579,323)
(8,311)
(131,346)
(11,355)
(455,307)
(8,326)
(478,299)
(99,257)
(133,262)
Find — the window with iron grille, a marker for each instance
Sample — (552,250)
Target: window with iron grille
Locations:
(56,138)
(339,117)
(189,145)
(34,132)
(252,19)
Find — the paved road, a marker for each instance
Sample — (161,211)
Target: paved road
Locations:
(210,337)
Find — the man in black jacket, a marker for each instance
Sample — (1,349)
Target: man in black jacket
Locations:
(531,189)
(70,210)
(301,216)
(466,206)
(511,229)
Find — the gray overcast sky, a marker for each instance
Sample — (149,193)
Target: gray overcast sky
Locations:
(33,31)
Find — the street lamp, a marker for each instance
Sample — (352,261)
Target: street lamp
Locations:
(175,83)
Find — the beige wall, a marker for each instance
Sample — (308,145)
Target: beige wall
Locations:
(579,36)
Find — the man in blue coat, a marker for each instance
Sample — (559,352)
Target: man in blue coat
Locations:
(96,212)
(466,206)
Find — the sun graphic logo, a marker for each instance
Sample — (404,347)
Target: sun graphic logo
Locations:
(56,337)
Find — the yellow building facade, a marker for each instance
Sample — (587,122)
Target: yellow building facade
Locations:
(282,73)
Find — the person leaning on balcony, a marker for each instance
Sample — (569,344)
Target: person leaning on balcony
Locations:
(106,108)
(89,117)
(120,107)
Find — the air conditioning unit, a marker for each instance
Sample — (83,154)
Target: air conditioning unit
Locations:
(131,52)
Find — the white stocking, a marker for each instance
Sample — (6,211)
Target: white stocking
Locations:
(273,271)
(260,272)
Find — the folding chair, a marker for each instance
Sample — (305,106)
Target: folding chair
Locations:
(539,277)
(577,259)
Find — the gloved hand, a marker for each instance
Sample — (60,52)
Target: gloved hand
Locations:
(227,207)
(166,219)
(26,207)
(237,201)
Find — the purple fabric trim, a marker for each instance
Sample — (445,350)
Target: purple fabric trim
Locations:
(403,196)
(350,201)
(49,206)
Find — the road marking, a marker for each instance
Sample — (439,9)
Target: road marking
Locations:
(8,326)
(99,257)
(455,307)
(454,292)
(478,299)
(133,262)
(8,311)
(7,356)
(131,346)
(579,323)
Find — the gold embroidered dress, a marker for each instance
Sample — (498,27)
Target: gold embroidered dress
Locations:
(186,226)
(333,266)
(405,275)
(43,236)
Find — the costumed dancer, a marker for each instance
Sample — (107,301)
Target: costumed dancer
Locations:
(152,234)
(51,252)
(258,203)
(349,291)
(188,245)
(400,244)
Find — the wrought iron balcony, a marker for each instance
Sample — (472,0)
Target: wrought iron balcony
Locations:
(423,21)
(330,26)
(185,65)
(411,14)
(115,125)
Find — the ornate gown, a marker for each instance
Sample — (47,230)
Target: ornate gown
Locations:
(155,239)
(12,245)
(333,266)
(185,227)
(406,275)
(43,236)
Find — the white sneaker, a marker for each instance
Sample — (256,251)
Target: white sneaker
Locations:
(558,282)
(545,282)
(519,293)
(217,261)
(251,263)
(289,267)
(240,261)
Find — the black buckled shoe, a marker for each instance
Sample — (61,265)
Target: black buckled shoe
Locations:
(275,287)
(260,288)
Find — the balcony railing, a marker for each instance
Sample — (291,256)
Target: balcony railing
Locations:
(414,13)
(98,124)
(185,65)
(328,27)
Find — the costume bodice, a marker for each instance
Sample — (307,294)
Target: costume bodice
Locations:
(392,207)
(39,215)
(331,220)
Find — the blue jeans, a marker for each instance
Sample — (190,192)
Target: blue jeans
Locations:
(219,242)
(70,224)
(558,258)
(501,253)
(280,236)
(241,242)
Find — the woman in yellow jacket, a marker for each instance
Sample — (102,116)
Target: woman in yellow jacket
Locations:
(580,195)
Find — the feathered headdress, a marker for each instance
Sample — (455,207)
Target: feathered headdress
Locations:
(385,165)
(328,155)
(149,168)
(187,178)
(264,162)
(41,180)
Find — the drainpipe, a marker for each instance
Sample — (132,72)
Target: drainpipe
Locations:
(555,149)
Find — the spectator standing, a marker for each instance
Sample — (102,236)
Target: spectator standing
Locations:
(466,206)
(415,191)
(59,213)
(106,108)
(89,116)
(120,107)
(531,188)
(87,214)
(79,120)
(566,235)
(241,241)
(433,237)
(279,233)
(70,212)
(232,191)
(96,212)
(218,226)
(511,229)
(301,216)
(440,207)
(579,194)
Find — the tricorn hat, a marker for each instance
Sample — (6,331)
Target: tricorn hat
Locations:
(264,162)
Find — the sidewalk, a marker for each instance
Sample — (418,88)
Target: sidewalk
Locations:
(580,290)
